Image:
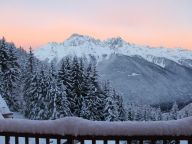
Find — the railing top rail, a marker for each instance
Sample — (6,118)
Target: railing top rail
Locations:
(77,127)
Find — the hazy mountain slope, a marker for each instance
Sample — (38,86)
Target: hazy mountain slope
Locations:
(145,82)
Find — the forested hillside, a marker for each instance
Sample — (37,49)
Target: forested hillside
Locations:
(72,87)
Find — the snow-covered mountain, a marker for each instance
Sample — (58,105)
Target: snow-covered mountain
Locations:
(139,73)
(80,45)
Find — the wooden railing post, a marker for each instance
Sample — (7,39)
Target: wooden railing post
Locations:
(36,140)
(105,141)
(190,141)
(140,141)
(81,141)
(93,141)
(26,140)
(70,141)
(7,139)
(177,141)
(58,140)
(47,140)
(153,141)
(16,140)
(116,141)
(128,141)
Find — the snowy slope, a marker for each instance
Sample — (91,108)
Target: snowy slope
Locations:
(80,45)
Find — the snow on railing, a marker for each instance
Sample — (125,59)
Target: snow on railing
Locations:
(72,128)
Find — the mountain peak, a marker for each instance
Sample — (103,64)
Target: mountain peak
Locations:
(76,35)
(115,42)
(78,39)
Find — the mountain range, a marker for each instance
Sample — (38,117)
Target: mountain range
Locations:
(143,74)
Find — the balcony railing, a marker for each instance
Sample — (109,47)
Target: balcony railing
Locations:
(72,130)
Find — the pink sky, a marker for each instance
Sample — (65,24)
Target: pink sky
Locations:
(165,23)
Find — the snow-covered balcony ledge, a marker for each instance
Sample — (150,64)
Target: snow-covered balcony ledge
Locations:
(73,128)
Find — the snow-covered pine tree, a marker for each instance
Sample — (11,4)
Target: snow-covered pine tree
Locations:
(92,100)
(11,78)
(174,111)
(87,109)
(31,62)
(58,102)
(31,96)
(77,87)
(83,90)
(146,113)
(98,94)
(53,71)
(130,111)
(88,98)
(64,77)
(111,107)
(159,116)
(9,74)
(64,73)
(3,63)
(111,111)
(3,55)
(122,116)
(153,114)
(138,113)
(30,86)
(42,111)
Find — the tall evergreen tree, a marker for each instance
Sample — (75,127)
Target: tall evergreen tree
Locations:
(58,102)
(42,101)
(31,96)
(174,111)
(111,111)
(111,106)
(159,116)
(3,63)
(31,61)
(122,116)
(77,93)
(11,78)
(3,55)
(9,74)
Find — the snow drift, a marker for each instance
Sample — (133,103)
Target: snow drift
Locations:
(79,127)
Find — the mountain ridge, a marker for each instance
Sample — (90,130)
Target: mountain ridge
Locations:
(140,73)
(81,45)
